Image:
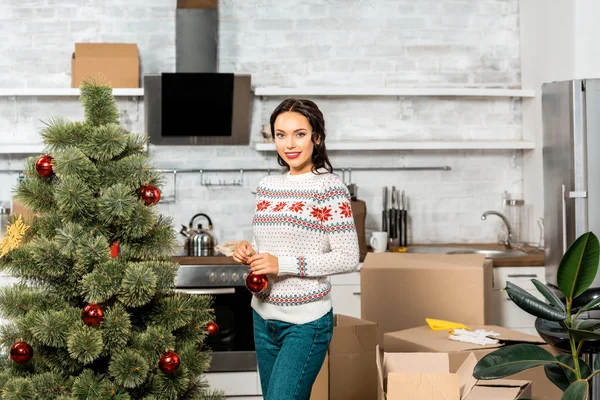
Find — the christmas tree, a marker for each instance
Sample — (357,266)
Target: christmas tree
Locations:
(95,314)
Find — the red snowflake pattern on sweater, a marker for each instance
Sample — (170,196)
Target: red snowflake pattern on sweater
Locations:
(279,206)
(323,214)
(345,210)
(262,205)
(297,206)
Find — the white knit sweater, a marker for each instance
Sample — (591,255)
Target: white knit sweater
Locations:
(306,221)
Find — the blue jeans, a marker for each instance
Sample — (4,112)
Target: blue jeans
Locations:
(290,356)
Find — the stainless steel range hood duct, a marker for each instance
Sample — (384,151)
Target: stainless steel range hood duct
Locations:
(196,36)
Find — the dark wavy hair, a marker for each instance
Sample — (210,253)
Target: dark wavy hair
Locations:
(315,117)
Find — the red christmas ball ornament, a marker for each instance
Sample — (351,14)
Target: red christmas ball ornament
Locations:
(169,362)
(256,283)
(21,352)
(150,194)
(43,166)
(92,315)
(212,328)
(115,249)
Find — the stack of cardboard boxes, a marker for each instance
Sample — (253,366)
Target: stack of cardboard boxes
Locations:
(390,353)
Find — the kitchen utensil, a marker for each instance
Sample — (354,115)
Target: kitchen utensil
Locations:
(393,224)
(379,241)
(384,213)
(200,242)
(404,216)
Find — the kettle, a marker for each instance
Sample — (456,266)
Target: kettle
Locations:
(199,241)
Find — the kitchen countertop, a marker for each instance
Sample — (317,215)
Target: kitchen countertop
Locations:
(207,260)
(536,258)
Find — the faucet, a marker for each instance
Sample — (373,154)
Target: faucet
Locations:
(508,241)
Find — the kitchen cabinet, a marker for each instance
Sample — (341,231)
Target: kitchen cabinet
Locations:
(505,313)
(345,294)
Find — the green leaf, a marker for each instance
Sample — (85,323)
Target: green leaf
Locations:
(128,368)
(533,305)
(563,377)
(579,265)
(591,305)
(577,391)
(99,104)
(548,294)
(512,359)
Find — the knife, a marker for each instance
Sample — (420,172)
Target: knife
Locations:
(404,213)
(384,224)
(393,225)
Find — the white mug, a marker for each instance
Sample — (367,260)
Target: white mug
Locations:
(379,242)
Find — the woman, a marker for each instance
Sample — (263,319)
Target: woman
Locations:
(303,231)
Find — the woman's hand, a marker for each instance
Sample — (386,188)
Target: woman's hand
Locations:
(243,251)
(264,263)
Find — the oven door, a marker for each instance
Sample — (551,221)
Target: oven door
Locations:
(233,346)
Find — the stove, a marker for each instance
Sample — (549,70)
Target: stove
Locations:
(233,346)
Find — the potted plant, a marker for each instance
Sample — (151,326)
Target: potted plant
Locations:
(580,333)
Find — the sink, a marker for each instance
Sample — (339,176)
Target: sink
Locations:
(491,253)
(488,253)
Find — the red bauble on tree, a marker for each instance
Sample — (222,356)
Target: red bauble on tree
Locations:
(43,166)
(92,315)
(169,362)
(212,328)
(115,249)
(256,283)
(21,352)
(150,194)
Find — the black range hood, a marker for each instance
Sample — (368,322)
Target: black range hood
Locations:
(197,105)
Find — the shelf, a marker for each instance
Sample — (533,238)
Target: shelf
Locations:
(374,91)
(33,92)
(423,145)
(21,148)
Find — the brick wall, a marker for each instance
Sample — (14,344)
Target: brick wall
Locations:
(305,43)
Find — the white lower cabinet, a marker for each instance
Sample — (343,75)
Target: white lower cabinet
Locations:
(505,312)
(345,294)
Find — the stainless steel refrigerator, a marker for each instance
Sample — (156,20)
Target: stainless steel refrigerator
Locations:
(571,159)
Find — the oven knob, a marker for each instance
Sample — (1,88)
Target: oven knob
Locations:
(224,277)
(234,277)
(212,277)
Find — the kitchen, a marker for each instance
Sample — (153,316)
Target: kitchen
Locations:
(440,100)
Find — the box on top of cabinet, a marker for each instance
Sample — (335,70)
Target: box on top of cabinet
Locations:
(114,63)
(399,290)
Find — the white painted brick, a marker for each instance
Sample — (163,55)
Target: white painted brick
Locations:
(379,43)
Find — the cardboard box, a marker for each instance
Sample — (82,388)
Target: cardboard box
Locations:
(400,290)
(18,208)
(117,64)
(427,376)
(349,371)
(359,212)
(425,340)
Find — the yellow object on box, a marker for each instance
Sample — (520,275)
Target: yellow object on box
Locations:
(440,325)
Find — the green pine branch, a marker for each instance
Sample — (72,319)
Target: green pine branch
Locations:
(73,165)
(129,368)
(116,328)
(60,134)
(105,142)
(103,282)
(139,223)
(99,105)
(138,286)
(158,244)
(117,204)
(75,200)
(84,344)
